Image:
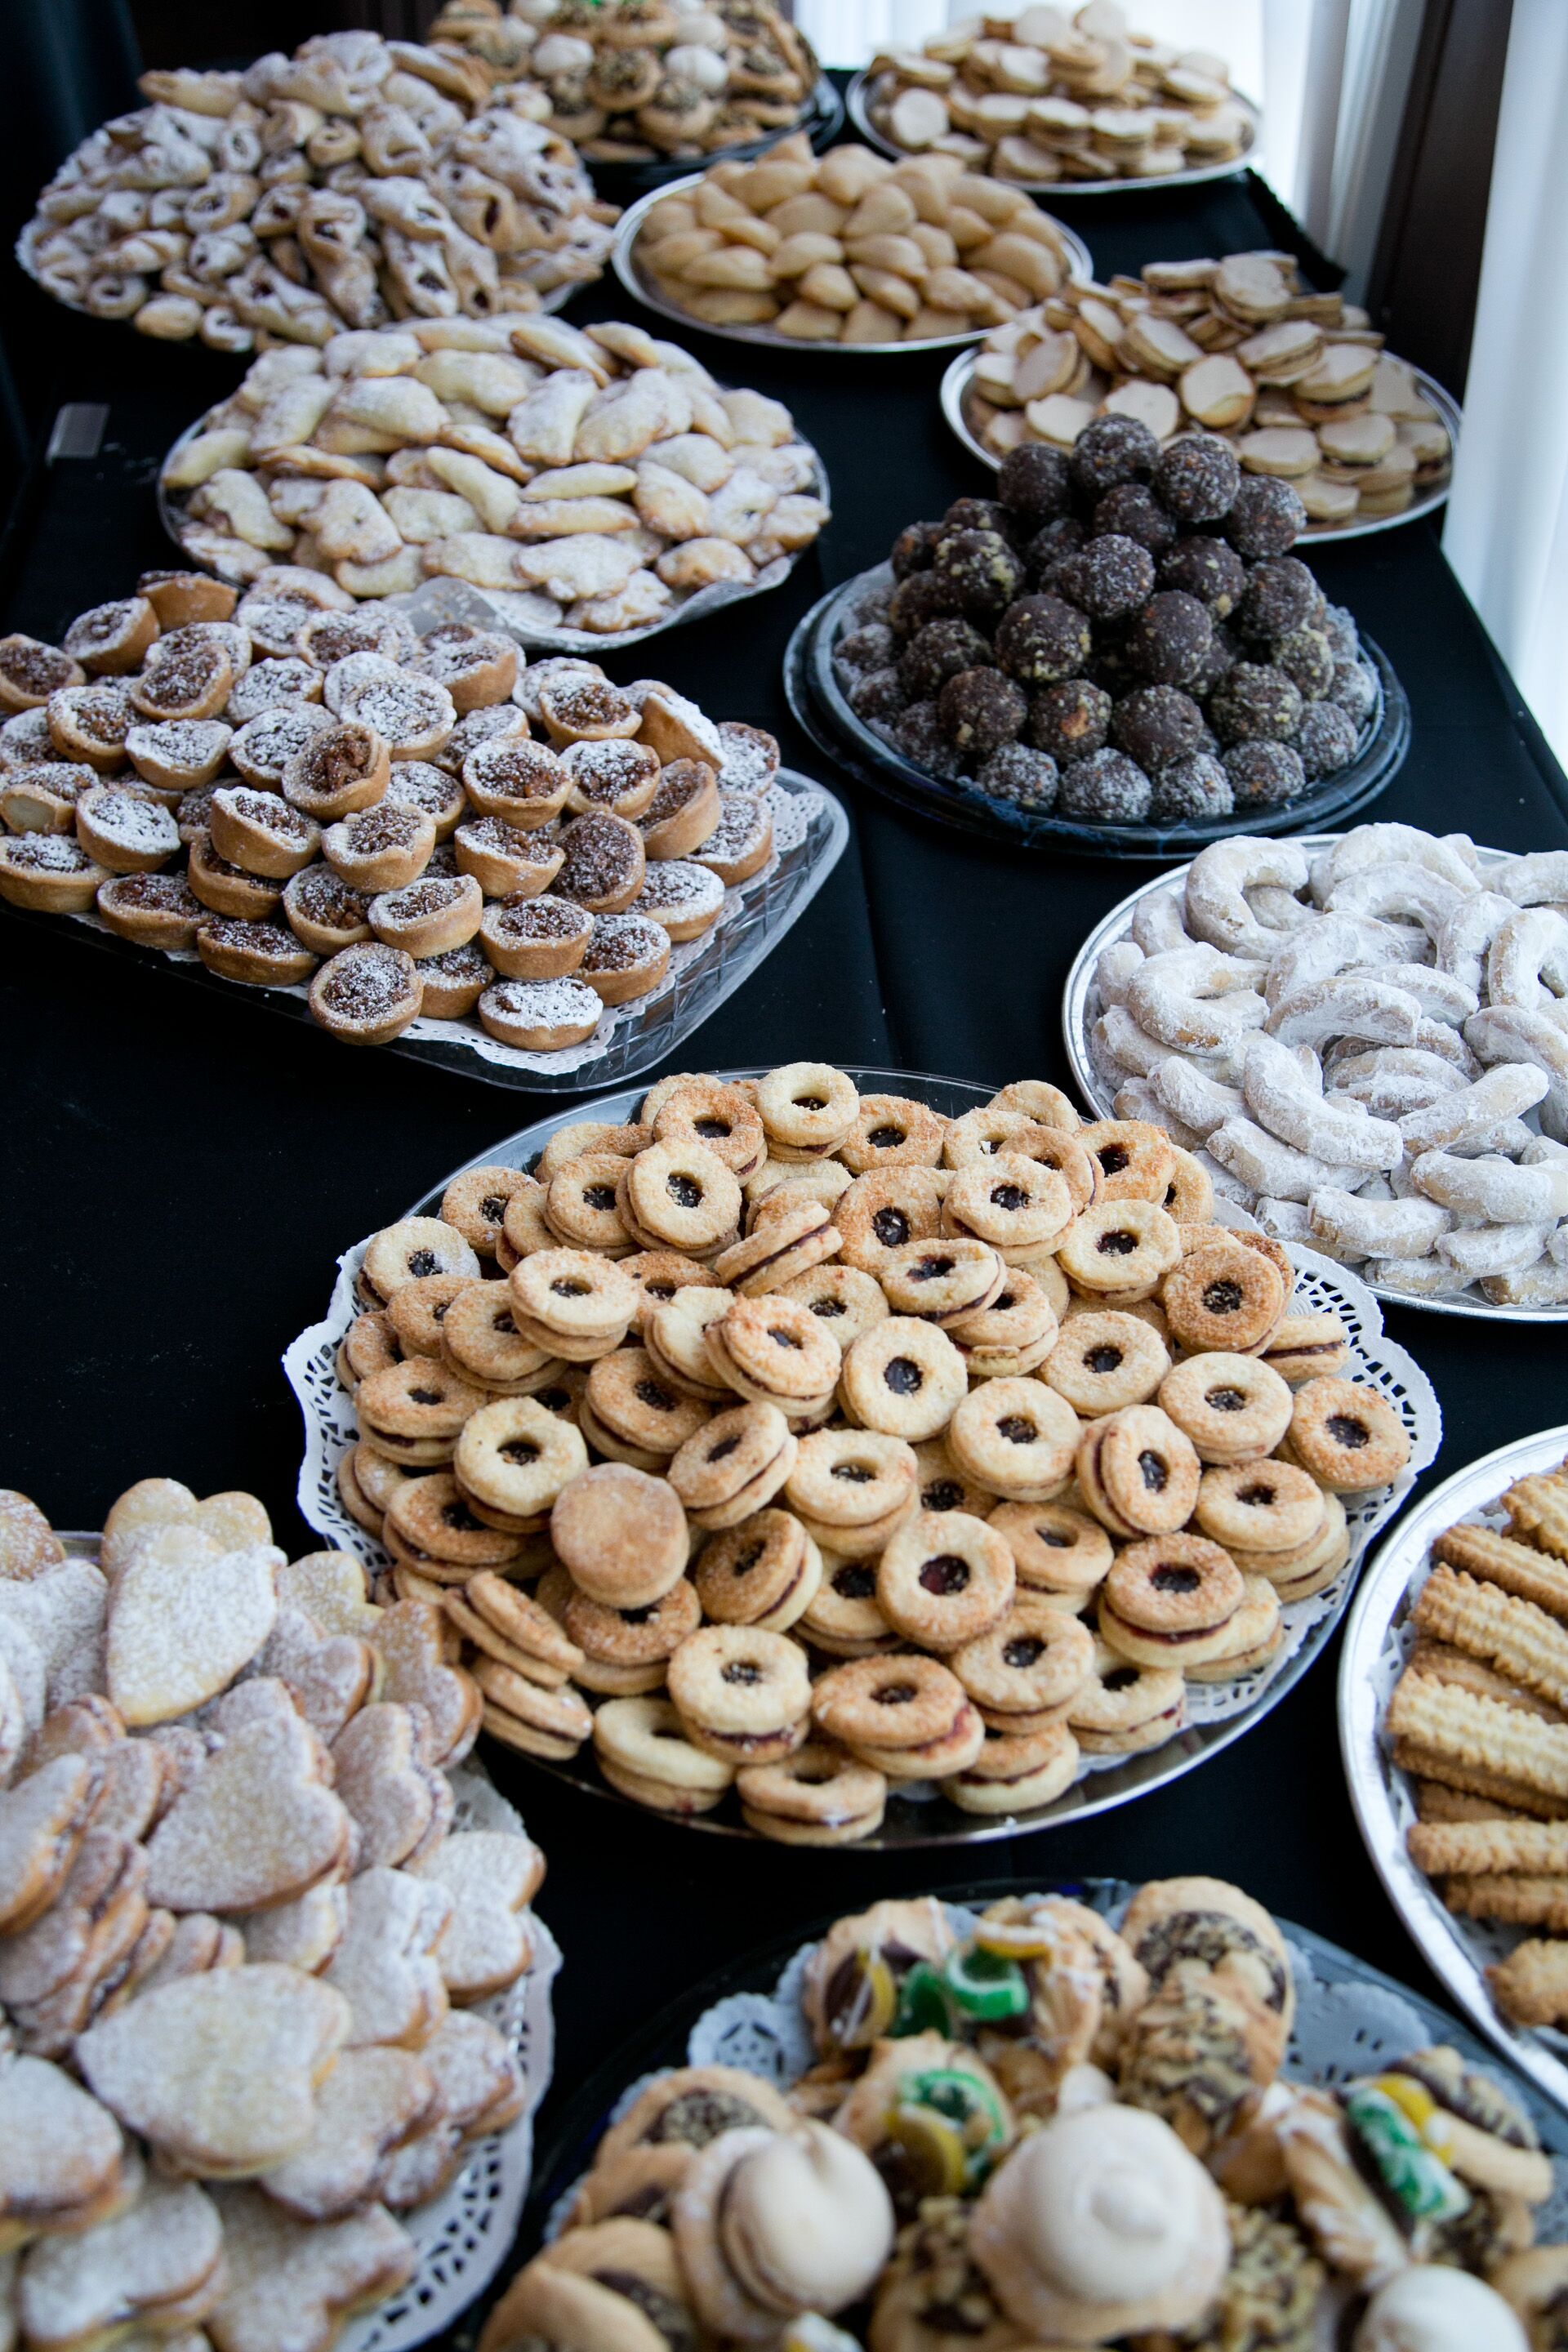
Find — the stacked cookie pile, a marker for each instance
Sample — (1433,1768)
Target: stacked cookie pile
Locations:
(1063,2132)
(1297,381)
(1121,636)
(849,248)
(595,480)
(1357,1043)
(1476,1719)
(848,1446)
(419,827)
(243,1950)
(1051,94)
(358,180)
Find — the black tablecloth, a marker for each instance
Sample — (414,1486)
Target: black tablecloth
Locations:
(183,1167)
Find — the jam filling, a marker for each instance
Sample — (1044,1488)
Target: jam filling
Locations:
(944,1575)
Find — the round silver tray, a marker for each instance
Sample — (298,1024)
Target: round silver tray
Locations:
(1457,1950)
(857,100)
(1080,1013)
(623,261)
(310,1365)
(960,374)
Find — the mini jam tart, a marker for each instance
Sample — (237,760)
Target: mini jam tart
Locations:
(1268,1506)
(684,811)
(1348,1436)
(765,1572)
(1016,1438)
(228,889)
(125,829)
(191,681)
(720,1117)
(1122,1709)
(1224,1298)
(414,1412)
(267,749)
(891,1132)
(534,939)
(679,1196)
(413,715)
(323,911)
(807,1108)
(631,1413)
(1137,1472)
(111,639)
(273,685)
(1028,1667)
(909,1716)
(261,832)
(178,754)
(751,757)
(50,873)
(1061,1555)
(420,784)
(43,798)
(683,898)
(506,862)
(886,1209)
(1232,1407)
(476,726)
(275,620)
(430,916)
(1120,1250)
(619,778)
(1102,1363)
(940,1280)
(604,864)
(904,1377)
(733,1466)
(476,667)
(775,1353)
(157,910)
(1137,1160)
(789,1240)
(454,981)
(1170,1600)
(1021,1208)
(626,957)
(262,955)
(30,671)
(511,777)
(742,1692)
(543,1015)
(380,848)
(644,1752)
(337,769)
(179,598)
(586,711)
(92,722)
(367,993)
(944,1579)
(332,636)
(741,842)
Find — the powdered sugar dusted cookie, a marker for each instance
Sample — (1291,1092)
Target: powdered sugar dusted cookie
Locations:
(259,1825)
(62,1609)
(401,1805)
(304,1933)
(384,1966)
(41,1825)
(61,2153)
(411,1638)
(329,1676)
(27,1542)
(185,1619)
(372,2102)
(491,1878)
(331,1588)
(291,2286)
(232,1519)
(159,2260)
(479,2089)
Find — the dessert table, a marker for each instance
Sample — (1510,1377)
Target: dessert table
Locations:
(184,1169)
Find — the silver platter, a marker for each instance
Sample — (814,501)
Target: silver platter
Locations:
(960,374)
(1080,1010)
(861,91)
(928,1820)
(1457,1950)
(623,261)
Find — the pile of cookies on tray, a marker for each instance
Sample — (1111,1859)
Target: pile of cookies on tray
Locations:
(1476,1720)
(358,180)
(244,1951)
(646,78)
(595,480)
(1120,636)
(1364,1047)
(847,247)
(1035,2127)
(1297,381)
(419,827)
(1051,93)
(850,1445)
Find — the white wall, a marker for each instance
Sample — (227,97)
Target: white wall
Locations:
(846,32)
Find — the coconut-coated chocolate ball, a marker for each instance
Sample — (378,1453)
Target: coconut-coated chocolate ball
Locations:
(1325,742)
(1255,703)
(978,514)
(1197,477)
(923,597)
(1157,724)
(1108,788)
(1028,779)
(980,709)
(1266,517)
(1338,625)
(918,735)
(1261,774)
(1112,669)
(1191,791)
(1169,639)
(1134,512)
(937,653)
(1035,484)
(1040,639)
(1064,536)
(871,646)
(1111,577)
(1307,658)
(979,571)
(1354,690)
(1113,450)
(1207,569)
(1069,720)
(877,694)
(1280,595)
(914,548)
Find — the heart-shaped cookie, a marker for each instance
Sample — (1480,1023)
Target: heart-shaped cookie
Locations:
(292,2283)
(199,1942)
(490,1878)
(383,1967)
(23,1663)
(63,1610)
(183,1619)
(403,1806)
(42,1820)
(108,1867)
(158,2262)
(412,1639)
(333,1588)
(82,1727)
(235,1521)
(60,2152)
(219,2071)
(13,1734)
(27,1543)
(480,2088)
(258,1825)
(329,1674)
(370,2104)
(305,1933)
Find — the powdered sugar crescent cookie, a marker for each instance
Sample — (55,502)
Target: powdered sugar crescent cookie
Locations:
(292,2284)
(182,1623)
(383,1967)
(371,2102)
(61,2152)
(257,1827)
(158,2261)
(491,1878)
(219,2071)
(401,1805)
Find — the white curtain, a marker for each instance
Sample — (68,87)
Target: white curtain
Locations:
(1336,74)
(1506,529)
